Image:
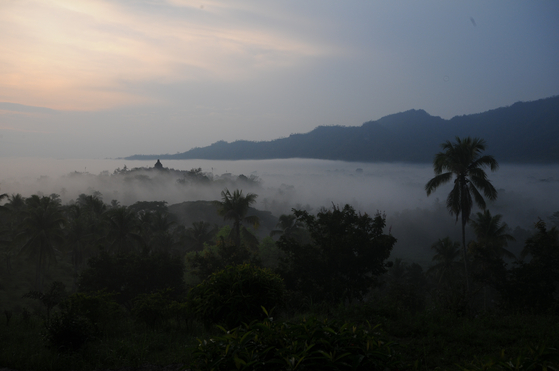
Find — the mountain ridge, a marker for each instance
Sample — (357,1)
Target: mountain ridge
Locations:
(525,132)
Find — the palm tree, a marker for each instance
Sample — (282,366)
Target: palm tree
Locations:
(463,161)
(491,235)
(288,226)
(199,234)
(123,228)
(94,212)
(77,235)
(41,232)
(156,230)
(234,207)
(13,212)
(447,251)
(489,249)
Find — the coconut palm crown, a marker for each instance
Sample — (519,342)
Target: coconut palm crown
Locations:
(463,162)
(234,206)
(491,235)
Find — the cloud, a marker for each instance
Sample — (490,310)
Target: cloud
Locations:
(15,107)
(80,55)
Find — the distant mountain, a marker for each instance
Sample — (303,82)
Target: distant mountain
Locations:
(526,132)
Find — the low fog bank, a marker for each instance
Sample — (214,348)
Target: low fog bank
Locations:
(525,192)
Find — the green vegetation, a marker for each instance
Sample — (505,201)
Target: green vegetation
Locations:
(344,259)
(463,161)
(91,285)
(236,295)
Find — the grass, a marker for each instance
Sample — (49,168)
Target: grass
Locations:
(438,340)
(432,340)
(23,348)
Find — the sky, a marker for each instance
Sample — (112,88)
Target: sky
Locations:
(107,79)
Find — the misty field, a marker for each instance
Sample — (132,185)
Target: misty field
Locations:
(279,264)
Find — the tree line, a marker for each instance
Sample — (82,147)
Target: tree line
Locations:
(335,255)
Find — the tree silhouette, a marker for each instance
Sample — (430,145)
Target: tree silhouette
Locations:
(234,207)
(288,226)
(41,232)
(488,250)
(533,285)
(199,234)
(463,161)
(77,235)
(344,257)
(123,227)
(156,229)
(447,251)
(491,235)
(3,196)
(13,214)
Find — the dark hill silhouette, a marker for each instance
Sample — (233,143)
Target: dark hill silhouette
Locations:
(526,132)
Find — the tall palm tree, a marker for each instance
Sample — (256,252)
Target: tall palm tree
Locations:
(463,161)
(234,207)
(42,231)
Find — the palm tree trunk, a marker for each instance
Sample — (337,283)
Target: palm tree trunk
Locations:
(237,227)
(38,273)
(465,255)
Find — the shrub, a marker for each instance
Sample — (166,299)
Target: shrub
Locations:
(180,311)
(99,308)
(130,275)
(308,345)
(531,358)
(53,297)
(82,316)
(67,330)
(153,309)
(236,295)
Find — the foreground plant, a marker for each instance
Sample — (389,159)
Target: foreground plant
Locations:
(538,358)
(236,295)
(307,345)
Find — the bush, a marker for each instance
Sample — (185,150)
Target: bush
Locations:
(153,309)
(236,295)
(129,275)
(309,345)
(531,358)
(67,330)
(82,316)
(180,311)
(99,308)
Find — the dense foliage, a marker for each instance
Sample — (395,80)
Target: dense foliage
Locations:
(129,275)
(106,286)
(310,344)
(236,294)
(344,259)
